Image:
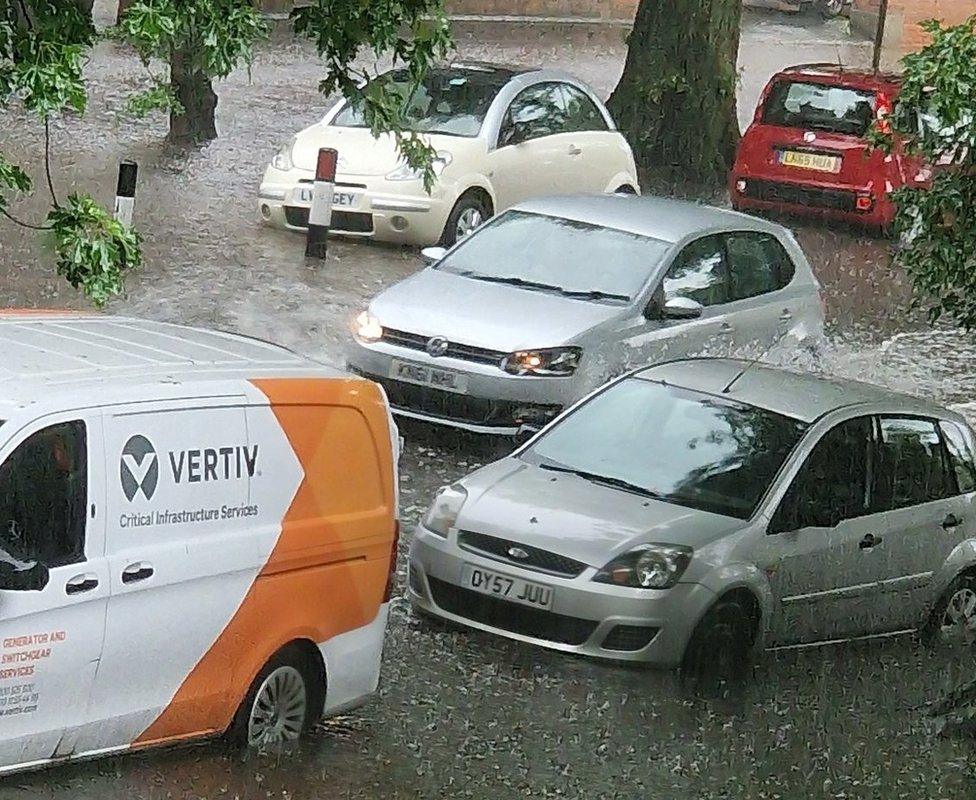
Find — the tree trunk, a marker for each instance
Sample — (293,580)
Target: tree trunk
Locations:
(675,102)
(195,92)
(123,7)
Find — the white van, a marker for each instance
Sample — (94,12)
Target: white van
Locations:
(197,536)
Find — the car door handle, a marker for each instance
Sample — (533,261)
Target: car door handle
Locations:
(726,327)
(80,584)
(951,521)
(137,572)
(870,541)
(575,151)
(786,316)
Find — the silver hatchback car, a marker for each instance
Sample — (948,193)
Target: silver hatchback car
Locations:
(548,301)
(695,510)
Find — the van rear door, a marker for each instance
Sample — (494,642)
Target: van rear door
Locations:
(52,512)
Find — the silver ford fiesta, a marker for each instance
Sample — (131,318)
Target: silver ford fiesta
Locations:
(695,509)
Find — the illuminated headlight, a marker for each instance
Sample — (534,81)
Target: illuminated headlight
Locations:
(652,566)
(366,328)
(282,159)
(405,172)
(443,512)
(552,362)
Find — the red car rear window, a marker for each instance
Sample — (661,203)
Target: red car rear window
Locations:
(816,106)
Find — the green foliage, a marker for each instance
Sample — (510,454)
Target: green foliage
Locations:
(935,118)
(93,248)
(158,98)
(12,177)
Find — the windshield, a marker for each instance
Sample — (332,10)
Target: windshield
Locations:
(449,101)
(542,253)
(679,446)
(814,106)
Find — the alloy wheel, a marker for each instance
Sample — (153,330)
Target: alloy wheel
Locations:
(279,709)
(468,221)
(959,615)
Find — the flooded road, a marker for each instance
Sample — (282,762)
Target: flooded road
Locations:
(462,714)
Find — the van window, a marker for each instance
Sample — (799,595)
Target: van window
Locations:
(819,107)
(43,497)
(960,456)
(911,465)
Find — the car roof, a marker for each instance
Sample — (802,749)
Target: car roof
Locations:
(841,75)
(799,395)
(658,217)
(502,71)
(58,351)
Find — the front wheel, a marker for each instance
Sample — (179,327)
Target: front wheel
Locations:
(830,8)
(468,214)
(719,654)
(953,619)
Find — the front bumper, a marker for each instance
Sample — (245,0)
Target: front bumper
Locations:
(587,618)
(374,208)
(494,401)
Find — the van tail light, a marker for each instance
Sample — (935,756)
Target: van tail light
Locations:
(882,111)
(391,577)
(864,202)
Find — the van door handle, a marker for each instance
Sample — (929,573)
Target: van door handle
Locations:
(137,572)
(726,328)
(870,541)
(950,522)
(575,151)
(786,316)
(80,584)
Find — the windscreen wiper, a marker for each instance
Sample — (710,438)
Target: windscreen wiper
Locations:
(513,281)
(603,480)
(594,294)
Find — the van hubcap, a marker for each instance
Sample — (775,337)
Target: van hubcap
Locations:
(960,613)
(278,711)
(470,219)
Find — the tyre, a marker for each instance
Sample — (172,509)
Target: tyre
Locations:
(626,189)
(829,9)
(953,620)
(470,212)
(281,704)
(719,654)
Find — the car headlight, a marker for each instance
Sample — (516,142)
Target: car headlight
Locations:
(282,159)
(366,327)
(405,172)
(652,566)
(443,512)
(551,362)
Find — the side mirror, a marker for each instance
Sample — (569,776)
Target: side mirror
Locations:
(29,579)
(526,432)
(682,308)
(431,255)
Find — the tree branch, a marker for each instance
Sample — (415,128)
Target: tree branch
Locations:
(23,224)
(27,18)
(47,162)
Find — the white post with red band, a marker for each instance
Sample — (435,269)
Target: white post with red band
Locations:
(320,214)
(125,192)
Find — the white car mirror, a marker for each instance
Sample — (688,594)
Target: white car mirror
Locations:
(682,308)
(431,255)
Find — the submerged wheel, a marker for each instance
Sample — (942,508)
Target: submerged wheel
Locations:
(953,619)
(830,8)
(719,653)
(469,214)
(278,708)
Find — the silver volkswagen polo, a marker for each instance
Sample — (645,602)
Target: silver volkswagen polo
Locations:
(550,300)
(690,511)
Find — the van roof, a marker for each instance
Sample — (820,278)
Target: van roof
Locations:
(45,349)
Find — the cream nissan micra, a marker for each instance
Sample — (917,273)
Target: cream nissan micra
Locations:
(502,136)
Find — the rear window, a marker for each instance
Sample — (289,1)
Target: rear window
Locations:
(814,106)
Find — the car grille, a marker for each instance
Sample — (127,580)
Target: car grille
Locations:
(629,638)
(794,194)
(539,560)
(464,352)
(342,221)
(455,407)
(509,616)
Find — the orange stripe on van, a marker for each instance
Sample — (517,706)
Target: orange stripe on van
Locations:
(327,572)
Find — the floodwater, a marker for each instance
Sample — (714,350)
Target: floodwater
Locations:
(462,714)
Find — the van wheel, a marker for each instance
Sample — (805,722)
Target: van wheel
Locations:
(470,213)
(830,8)
(953,620)
(278,706)
(626,189)
(719,654)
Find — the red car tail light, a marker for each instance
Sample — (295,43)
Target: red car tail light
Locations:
(864,202)
(391,578)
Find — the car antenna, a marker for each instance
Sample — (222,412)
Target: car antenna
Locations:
(753,362)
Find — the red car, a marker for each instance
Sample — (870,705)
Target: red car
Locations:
(806,152)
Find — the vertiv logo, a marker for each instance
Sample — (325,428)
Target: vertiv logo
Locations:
(139,468)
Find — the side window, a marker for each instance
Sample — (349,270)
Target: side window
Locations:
(44,496)
(581,112)
(699,273)
(758,264)
(960,456)
(832,485)
(912,466)
(537,112)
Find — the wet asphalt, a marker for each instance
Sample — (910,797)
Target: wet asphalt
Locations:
(462,714)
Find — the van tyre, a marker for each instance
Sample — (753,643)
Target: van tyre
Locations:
(718,657)
(280,705)
(953,619)
(468,214)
